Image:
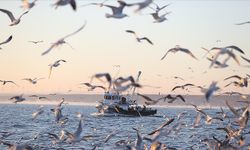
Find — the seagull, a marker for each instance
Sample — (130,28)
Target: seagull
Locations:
(33,81)
(161,18)
(28,5)
(141,5)
(100,75)
(226,50)
(76,136)
(38,112)
(219,64)
(212,88)
(178,48)
(117,11)
(172,98)
(126,87)
(55,64)
(182,86)
(176,77)
(58,111)
(18,98)
(98,4)
(207,117)
(36,42)
(62,40)
(66,2)
(138,38)
(162,126)
(92,87)
(6,81)
(14,21)
(158,8)
(242,81)
(243,23)
(16,146)
(6,41)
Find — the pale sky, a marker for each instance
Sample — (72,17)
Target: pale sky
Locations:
(104,43)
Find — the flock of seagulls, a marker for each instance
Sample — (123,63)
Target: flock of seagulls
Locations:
(125,84)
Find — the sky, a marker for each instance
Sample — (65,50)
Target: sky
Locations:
(103,44)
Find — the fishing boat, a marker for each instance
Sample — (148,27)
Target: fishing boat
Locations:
(114,103)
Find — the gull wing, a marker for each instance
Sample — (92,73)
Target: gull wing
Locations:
(12,18)
(23,14)
(236,48)
(6,41)
(133,32)
(147,39)
(248,60)
(50,48)
(75,31)
(234,76)
(243,23)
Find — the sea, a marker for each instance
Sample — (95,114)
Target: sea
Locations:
(16,120)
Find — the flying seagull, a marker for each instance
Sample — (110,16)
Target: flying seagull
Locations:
(182,86)
(243,23)
(33,81)
(100,75)
(6,81)
(117,11)
(14,21)
(242,81)
(141,5)
(92,87)
(6,41)
(66,2)
(226,50)
(62,40)
(159,18)
(36,42)
(55,64)
(212,88)
(18,98)
(138,38)
(178,48)
(28,5)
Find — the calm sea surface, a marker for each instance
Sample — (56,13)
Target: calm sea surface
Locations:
(17,119)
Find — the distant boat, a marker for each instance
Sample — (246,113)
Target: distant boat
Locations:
(116,104)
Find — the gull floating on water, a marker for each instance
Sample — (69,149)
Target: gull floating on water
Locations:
(14,21)
(6,41)
(66,2)
(178,48)
(62,40)
(55,64)
(138,38)
(28,5)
